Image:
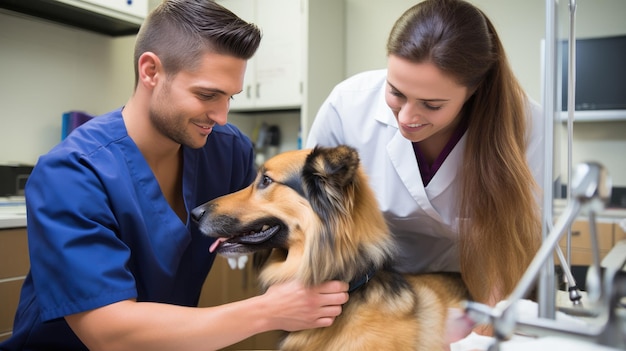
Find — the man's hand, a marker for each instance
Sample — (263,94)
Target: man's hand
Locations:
(298,307)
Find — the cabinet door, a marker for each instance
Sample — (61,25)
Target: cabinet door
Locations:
(620,231)
(273,78)
(582,253)
(279,59)
(14,265)
(245,9)
(14,260)
(9,297)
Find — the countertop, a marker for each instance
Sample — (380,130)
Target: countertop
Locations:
(608,214)
(12,212)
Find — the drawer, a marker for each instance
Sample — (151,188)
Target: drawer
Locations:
(581,257)
(9,295)
(581,235)
(620,234)
(14,261)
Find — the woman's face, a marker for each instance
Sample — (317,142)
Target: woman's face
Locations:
(425,101)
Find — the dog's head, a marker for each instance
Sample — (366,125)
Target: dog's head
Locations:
(312,208)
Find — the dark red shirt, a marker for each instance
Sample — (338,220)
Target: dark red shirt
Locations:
(428,171)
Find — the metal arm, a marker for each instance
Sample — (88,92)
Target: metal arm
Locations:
(590,191)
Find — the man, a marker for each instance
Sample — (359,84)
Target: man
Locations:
(116,263)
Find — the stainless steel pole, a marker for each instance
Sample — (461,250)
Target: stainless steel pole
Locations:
(546,285)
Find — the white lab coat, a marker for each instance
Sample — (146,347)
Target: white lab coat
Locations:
(424,220)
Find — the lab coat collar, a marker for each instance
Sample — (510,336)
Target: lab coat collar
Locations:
(382,111)
(400,152)
(448,171)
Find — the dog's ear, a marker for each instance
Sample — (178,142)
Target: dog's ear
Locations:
(327,174)
(330,180)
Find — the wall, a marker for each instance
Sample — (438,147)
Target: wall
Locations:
(47,69)
(604,142)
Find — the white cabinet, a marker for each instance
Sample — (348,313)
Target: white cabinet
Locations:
(300,59)
(278,64)
(110,17)
(245,9)
(131,10)
(274,75)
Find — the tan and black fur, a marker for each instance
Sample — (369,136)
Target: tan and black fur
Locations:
(314,214)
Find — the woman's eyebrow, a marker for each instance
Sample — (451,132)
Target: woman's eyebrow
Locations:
(425,100)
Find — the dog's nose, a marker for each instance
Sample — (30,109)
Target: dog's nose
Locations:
(197,214)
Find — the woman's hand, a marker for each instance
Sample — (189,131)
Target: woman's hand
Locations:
(458,325)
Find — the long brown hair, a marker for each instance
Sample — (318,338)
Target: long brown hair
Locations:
(500,230)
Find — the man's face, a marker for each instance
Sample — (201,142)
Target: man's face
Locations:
(186,106)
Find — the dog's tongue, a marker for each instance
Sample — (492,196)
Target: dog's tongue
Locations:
(216,244)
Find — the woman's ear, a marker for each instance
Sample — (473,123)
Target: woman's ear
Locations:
(149,69)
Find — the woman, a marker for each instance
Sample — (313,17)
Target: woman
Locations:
(446,134)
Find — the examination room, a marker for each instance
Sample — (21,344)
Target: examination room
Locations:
(313,175)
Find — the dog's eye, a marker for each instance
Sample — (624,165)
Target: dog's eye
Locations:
(265,182)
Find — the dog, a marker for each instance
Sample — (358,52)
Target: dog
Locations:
(310,215)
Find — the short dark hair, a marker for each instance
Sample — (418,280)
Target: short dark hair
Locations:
(180,31)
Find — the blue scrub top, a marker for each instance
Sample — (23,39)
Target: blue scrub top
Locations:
(100,230)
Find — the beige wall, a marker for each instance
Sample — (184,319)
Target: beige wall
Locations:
(47,69)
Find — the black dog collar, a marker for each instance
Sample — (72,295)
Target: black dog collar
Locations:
(361,280)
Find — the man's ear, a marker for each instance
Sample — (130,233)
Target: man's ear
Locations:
(149,69)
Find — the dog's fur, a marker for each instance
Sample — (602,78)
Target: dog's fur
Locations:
(314,214)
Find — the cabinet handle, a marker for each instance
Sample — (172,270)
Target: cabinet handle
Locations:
(576,233)
(258,90)
(248,90)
